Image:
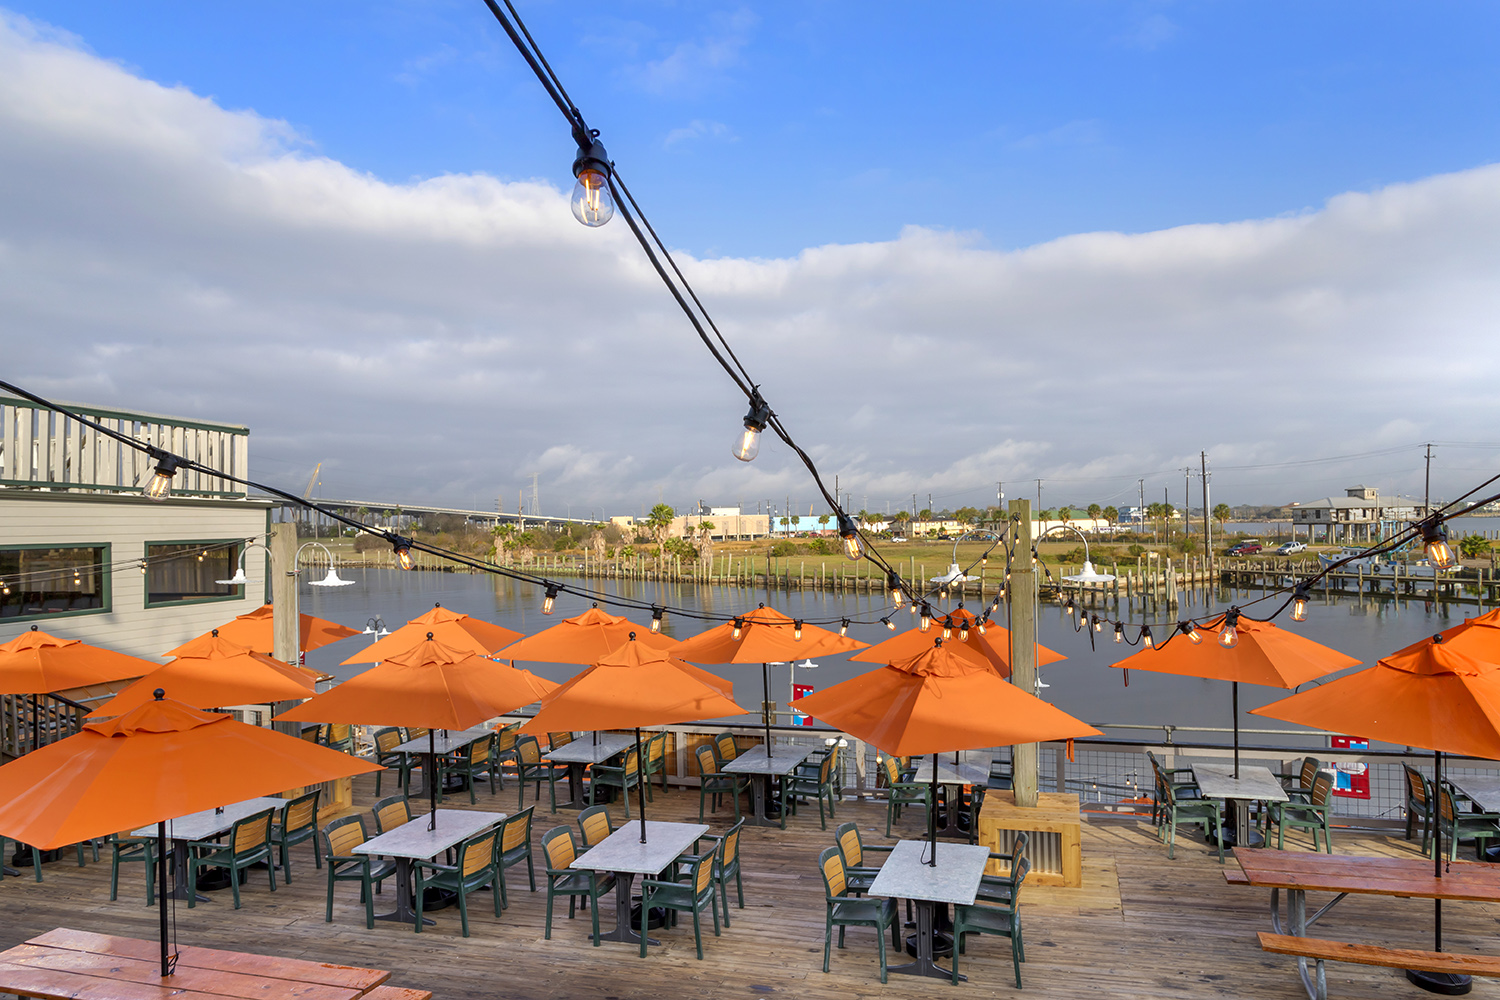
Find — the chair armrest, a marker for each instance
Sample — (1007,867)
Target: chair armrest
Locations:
(212,844)
(876,847)
(418,865)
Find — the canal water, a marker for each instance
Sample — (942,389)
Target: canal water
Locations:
(1084,685)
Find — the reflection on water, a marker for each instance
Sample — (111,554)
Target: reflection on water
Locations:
(1082,685)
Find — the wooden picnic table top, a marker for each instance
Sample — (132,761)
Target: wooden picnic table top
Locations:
(64,963)
(1410,877)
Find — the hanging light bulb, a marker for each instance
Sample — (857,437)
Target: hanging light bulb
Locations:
(1435,541)
(948,627)
(739,625)
(963,631)
(1068,607)
(1229,636)
(925,622)
(160,486)
(1119,631)
(888,624)
(656,614)
(893,584)
(1187,629)
(592,203)
(1098,624)
(797,630)
(854,546)
(143,567)
(1299,605)
(983,624)
(551,599)
(747,445)
(844,628)
(402,548)
(1146,639)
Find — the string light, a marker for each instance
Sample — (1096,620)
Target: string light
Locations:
(925,622)
(983,623)
(797,630)
(1229,636)
(854,546)
(1146,636)
(893,586)
(1119,631)
(1435,541)
(167,464)
(1187,629)
(592,203)
(963,631)
(888,624)
(1098,623)
(656,614)
(747,445)
(739,626)
(948,627)
(402,547)
(1299,604)
(551,599)
(1068,607)
(844,628)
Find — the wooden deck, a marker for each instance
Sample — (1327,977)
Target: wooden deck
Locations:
(1141,926)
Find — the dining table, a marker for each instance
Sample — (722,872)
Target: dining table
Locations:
(205,825)
(624,854)
(438,744)
(761,769)
(909,874)
(595,749)
(414,841)
(953,777)
(1254,784)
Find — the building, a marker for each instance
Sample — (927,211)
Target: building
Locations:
(83,555)
(1361,514)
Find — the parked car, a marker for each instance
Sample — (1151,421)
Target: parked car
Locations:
(1290,548)
(1244,549)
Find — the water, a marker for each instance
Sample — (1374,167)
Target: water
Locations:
(1084,685)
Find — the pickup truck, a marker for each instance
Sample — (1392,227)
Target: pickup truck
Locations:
(1244,549)
(1290,548)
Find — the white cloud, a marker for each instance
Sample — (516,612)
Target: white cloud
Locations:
(697,62)
(445,338)
(699,128)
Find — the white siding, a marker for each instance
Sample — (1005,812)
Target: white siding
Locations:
(126,523)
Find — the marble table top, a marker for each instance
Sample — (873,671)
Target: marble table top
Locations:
(444,742)
(414,840)
(1217,781)
(583,750)
(955,878)
(783,760)
(622,851)
(206,824)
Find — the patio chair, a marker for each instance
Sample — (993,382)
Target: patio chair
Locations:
(980,918)
(339,736)
(1000,888)
(594,824)
(515,847)
(339,840)
(505,749)
(1310,815)
(726,864)
(36,858)
(845,910)
(691,894)
(716,783)
(1301,779)
(1177,812)
(852,852)
(1179,778)
(625,777)
(556,740)
(474,868)
(387,756)
(902,791)
(125,849)
(726,747)
(391,812)
(656,762)
(298,822)
(249,843)
(819,786)
(476,761)
(1480,827)
(531,767)
(558,847)
(1418,805)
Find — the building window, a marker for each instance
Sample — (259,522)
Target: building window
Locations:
(178,572)
(42,580)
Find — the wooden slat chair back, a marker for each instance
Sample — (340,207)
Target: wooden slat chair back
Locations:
(850,847)
(475,869)
(479,752)
(515,846)
(727,748)
(594,824)
(477,854)
(340,838)
(556,740)
(529,750)
(845,910)
(559,848)
(714,784)
(391,812)
(506,740)
(416,732)
(298,822)
(834,879)
(1418,805)
(343,835)
(249,835)
(707,762)
(1480,827)
(387,740)
(1309,772)
(249,842)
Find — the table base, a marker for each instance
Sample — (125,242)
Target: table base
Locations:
(405,912)
(1449,984)
(929,917)
(761,803)
(8,870)
(623,931)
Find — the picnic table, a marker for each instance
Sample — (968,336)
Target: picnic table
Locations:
(1300,873)
(203,825)
(623,853)
(586,751)
(413,841)
(1255,784)
(954,879)
(64,964)
(442,743)
(755,763)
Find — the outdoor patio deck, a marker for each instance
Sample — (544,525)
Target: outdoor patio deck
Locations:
(1142,926)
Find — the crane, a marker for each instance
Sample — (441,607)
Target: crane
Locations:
(312,482)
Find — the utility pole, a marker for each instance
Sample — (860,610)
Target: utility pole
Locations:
(1427,485)
(1140,511)
(1022,596)
(1208,548)
(1187,502)
(1038,494)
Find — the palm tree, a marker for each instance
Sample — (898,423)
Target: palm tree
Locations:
(1222,513)
(1095,510)
(660,522)
(1111,514)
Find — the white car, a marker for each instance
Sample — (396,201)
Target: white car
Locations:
(1290,548)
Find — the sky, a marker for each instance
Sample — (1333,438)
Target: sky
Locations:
(958,244)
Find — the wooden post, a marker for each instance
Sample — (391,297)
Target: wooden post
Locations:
(1023,646)
(283,551)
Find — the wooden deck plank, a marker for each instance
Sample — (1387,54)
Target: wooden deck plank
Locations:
(1390,958)
(207,981)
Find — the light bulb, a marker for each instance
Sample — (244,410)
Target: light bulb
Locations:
(550,600)
(739,625)
(1119,631)
(1299,605)
(747,445)
(948,627)
(1098,624)
(925,622)
(403,556)
(1187,629)
(884,621)
(1228,637)
(844,628)
(797,630)
(1435,541)
(593,205)
(1146,639)
(854,546)
(656,614)
(1069,607)
(983,624)
(963,634)
(893,584)
(160,486)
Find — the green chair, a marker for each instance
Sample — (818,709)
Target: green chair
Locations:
(515,847)
(716,783)
(476,761)
(124,850)
(556,740)
(845,910)
(559,850)
(249,843)
(298,822)
(387,756)
(1177,812)
(901,791)
(852,852)
(1001,888)
(1301,779)
(625,777)
(594,824)
(339,840)
(531,767)
(725,746)
(338,736)
(1418,805)
(726,864)
(1310,815)
(692,894)
(656,762)
(1180,778)
(1480,827)
(474,867)
(1005,920)
(36,859)
(391,812)
(820,786)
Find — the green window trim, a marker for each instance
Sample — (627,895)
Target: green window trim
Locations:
(235,547)
(106,572)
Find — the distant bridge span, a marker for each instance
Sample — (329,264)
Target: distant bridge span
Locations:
(485,516)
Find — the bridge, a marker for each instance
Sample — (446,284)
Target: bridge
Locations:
(352,508)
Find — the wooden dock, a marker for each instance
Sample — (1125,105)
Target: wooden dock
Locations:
(1140,926)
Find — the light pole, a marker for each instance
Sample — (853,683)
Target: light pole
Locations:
(955,574)
(1088,574)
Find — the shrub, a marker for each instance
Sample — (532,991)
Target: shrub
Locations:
(783,549)
(1474,546)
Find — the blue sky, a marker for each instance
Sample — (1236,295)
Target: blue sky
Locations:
(756,130)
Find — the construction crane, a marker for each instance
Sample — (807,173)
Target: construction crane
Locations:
(312,482)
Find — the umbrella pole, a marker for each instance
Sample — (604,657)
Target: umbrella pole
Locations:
(932,814)
(1447,983)
(1236,705)
(161,893)
(640,784)
(765,697)
(432,780)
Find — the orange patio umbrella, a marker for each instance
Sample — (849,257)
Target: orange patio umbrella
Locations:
(35,662)
(1430,695)
(462,632)
(938,701)
(255,632)
(157,762)
(432,685)
(583,639)
(218,672)
(764,636)
(1261,654)
(1478,637)
(990,649)
(633,686)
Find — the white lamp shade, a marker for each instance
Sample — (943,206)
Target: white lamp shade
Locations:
(331,580)
(1089,575)
(238,578)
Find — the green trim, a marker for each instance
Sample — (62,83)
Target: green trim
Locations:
(105,569)
(239,588)
(42,484)
(145,418)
